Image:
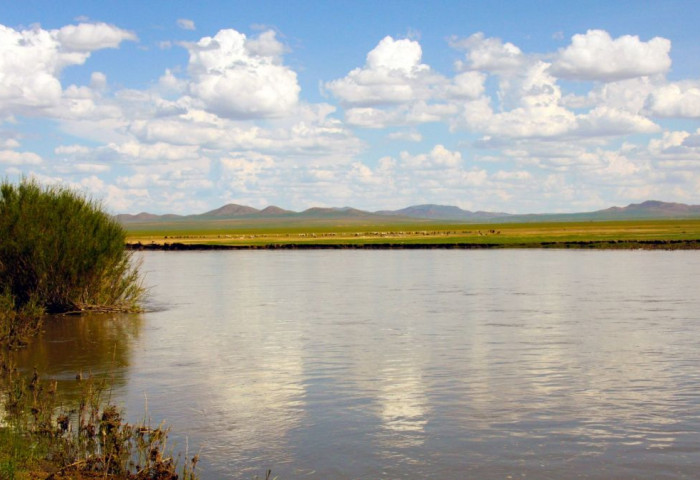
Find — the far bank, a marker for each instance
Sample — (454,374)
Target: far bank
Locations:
(233,234)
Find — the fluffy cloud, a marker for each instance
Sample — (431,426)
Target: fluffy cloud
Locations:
(677,149)
(12,157)
(28,69)
(31,62)
(266,45)
(675,100)
(488,54)
(191,175)
(629,95)
(467,85)
(235,77)
(437,175)
(395,89)
(308,130)
(596,56)
(98,80)
(161,152)
(439,157)
(414,114)
(88,37)
(233,126)
(393,74)
(123,200)
(243,172)
(536,110)
(604,121)
(617,165)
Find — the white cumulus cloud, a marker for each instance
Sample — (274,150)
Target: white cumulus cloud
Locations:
(235,78)
(604,121)
(488,54)
(596,56)
(31,61)
(535,102)
(438,157)
(88,37)
(393,74)
(675,100)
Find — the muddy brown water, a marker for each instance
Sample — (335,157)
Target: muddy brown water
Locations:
(408,364)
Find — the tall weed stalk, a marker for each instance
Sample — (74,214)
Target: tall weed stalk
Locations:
(88,439)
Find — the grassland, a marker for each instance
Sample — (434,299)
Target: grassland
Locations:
(358,234)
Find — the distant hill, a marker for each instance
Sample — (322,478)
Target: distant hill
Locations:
(273,211)
(649,210)
(652,209)
(339,213)
(442,212)
(145,217)
(231,210)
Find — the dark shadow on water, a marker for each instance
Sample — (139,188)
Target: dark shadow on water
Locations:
(92,344)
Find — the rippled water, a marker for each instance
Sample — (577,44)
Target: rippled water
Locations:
(410,364)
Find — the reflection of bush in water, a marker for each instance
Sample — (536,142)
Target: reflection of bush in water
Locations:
(90,343)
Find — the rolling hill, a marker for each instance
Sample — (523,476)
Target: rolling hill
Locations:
(649,210)
(442,212)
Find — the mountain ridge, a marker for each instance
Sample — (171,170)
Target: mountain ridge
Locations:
(649,209)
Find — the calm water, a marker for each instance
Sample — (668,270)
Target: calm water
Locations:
(409,364)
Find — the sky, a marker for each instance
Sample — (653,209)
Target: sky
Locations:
(509,106)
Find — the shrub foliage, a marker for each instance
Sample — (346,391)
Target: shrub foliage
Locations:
(60,251)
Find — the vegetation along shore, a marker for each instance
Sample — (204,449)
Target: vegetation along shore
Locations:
(61,254)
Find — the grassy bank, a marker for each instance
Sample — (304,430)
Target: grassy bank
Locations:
(60,253)
(627,234)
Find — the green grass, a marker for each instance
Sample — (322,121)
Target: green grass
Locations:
(242,233)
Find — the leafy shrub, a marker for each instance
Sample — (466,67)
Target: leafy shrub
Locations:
(61,252)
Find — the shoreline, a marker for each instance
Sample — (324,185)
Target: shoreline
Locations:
(582,244)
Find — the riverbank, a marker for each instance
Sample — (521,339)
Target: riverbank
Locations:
(593,244)
(61,254)
(667,234)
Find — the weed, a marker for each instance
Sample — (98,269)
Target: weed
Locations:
(90,439)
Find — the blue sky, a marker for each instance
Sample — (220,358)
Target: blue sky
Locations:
(506,106)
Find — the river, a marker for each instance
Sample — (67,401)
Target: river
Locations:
(435,364)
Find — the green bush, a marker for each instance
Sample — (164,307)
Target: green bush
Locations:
(61,252)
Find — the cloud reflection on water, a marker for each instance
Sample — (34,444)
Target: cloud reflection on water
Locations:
(425,364)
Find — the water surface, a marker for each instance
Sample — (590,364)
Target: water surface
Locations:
(410,364)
